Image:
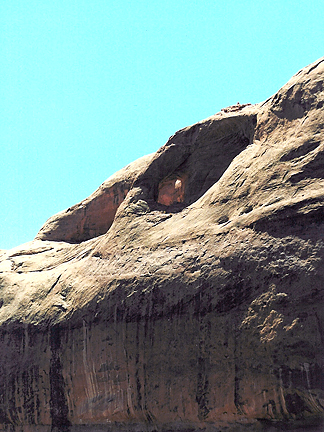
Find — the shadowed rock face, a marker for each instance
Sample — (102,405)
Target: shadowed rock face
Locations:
(186,293)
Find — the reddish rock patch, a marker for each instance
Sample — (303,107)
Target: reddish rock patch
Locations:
(172,190)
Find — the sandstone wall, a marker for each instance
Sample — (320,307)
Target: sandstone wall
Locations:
(192,368)
(186,293)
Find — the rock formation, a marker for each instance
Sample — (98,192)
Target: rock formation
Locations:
(186,293)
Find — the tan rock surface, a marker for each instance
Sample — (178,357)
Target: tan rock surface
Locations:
(94,215)
(186,293)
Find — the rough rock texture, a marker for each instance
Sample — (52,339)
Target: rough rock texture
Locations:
(186,293)
(94,215)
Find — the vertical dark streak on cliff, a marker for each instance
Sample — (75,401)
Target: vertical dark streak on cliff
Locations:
(125,339)
(203,361)
(58,402)
(28,405)
(320,328)
(148,415)
(37,393)
(237,398)
(3,396)
(137,366)
(11,391)
(147,344)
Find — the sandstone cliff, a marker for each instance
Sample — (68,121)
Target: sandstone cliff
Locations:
(186,293)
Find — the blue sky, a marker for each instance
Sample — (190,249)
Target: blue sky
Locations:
(89,86)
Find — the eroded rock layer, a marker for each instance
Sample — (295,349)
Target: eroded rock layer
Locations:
(186,293)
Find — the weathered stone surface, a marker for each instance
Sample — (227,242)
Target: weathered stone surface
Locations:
(94,215)
(186,293)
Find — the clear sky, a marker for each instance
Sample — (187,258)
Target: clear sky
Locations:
(88,86)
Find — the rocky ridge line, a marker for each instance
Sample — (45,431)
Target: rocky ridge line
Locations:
(187,291)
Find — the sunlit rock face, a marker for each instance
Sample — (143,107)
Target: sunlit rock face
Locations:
(95,214)
(186,293)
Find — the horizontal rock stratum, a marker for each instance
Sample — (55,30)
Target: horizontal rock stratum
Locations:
(186,293)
